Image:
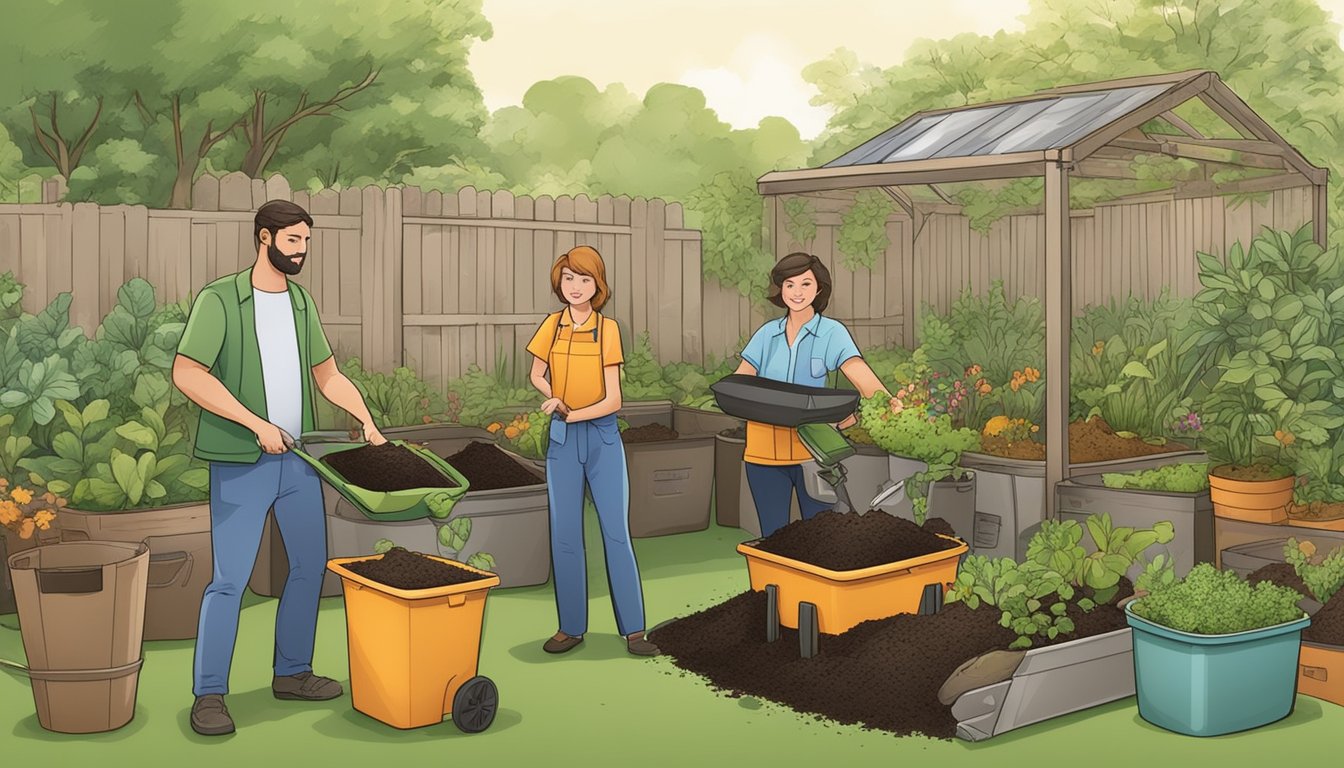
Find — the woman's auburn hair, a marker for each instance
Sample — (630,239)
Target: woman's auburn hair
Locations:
(796,264)
(583,260)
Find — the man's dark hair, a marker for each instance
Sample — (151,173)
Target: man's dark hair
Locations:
(796,264)
(275,215)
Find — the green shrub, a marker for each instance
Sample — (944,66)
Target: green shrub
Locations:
(1324,575)
(1173,478)
(1212,602)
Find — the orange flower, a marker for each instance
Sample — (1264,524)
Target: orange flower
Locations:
(1285,438)
(43,519)
(21,495)
(427,420)
(4,483)
(1032,374)
(27,528)
(984,387)
(1016,384)
(1098,348)
(9,512)
(511,432)
(494,427)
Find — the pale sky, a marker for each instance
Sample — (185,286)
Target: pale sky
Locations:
(746,55)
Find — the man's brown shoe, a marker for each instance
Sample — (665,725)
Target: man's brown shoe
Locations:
(561,643)
(209,716)
(305,686)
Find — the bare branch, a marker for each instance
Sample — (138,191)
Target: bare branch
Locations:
(42,137)
(83,141)
(301,112)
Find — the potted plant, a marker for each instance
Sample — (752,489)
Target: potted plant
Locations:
(1272,343)
(1214,655)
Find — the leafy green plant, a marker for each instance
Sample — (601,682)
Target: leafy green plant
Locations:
(31,397)
(1158,574)
(1022,592)
(526,435)
(1212,602)
(484,395)
(453,538)
(1271,325)
(915,433)
(13,447)
(1173,478)
(799,221)
(1056,546)
(863,229)
(730,216)
(87,441)
(401,399)
(1323,575)
(11,302)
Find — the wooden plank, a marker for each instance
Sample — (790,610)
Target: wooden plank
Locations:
(938,170)
(543,246)
(424,271)
(325,203)
(585,210)
(202,238)
(205,193)
(60,266)
(467,270)
(259,197)
(664,271)
(352,202)
(693,302)
(33,262)
(235,193)
(303,199)
(433,204)
(444,320)
(413,201)
(414,271)
(639,267)
(449,274)
(525,274)
(9,243)
(277,188)
(1058,329)
(351,279)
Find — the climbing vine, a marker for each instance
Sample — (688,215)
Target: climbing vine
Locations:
(799,221)
(863,229)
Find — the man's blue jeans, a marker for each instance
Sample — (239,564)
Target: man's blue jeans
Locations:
(240,495)
(771,489)
(591,451)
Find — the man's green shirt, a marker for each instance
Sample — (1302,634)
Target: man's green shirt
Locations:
(221,334)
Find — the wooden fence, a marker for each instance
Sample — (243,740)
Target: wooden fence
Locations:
(435,281)
(444,281)
(1119,250)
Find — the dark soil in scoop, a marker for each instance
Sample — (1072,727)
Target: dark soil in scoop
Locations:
(401,569)
(881,674)
(649,433)
(842,542)
(1327,626)
(386,467)
(487,468)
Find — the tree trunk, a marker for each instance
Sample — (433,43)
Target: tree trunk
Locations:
(182,184)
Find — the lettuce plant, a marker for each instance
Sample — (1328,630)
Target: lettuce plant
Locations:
(1173,478)
(1212,602)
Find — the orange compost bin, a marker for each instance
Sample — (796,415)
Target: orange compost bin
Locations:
(412,650)
(1320,672)
(845,599)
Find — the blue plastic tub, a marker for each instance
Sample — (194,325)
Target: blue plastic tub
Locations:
(1209,685)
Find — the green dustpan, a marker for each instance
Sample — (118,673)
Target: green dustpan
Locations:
(390,506)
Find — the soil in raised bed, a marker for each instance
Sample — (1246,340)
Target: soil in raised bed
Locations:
(487,468)
(1327,626)
(401,569)
(386,467)
(882,674)
(1317,511)
(1254,473)
(649,433)
(846,542)
(1089,441)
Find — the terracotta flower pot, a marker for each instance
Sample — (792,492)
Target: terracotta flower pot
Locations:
(1252,501)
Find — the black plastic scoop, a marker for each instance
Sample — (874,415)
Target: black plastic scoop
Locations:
(781,404)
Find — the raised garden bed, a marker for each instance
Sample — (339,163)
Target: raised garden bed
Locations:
(1090,442)
(1317,514)
(1191,513)
(508,514)
(1321,660)
(1010,493)
(672,478)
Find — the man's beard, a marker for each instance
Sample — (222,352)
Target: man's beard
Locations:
(282,262)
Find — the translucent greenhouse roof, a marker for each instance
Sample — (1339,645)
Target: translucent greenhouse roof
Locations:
(1046,123)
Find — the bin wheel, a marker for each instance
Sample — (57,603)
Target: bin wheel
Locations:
(475,704)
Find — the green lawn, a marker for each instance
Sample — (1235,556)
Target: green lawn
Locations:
(595,706)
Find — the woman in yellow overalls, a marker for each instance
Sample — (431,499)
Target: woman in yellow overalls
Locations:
(801,347)
(581,351)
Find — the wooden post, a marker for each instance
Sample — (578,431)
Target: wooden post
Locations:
(1320,213)
(1058,316)
(380,255)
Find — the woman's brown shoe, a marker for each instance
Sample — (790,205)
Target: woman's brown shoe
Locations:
(639,645)
(561,643)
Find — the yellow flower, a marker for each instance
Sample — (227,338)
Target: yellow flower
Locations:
(1284,438)
(43,519)
(9,512)
(996,425)
(27,528)
(21,495)
(494,427)
(1097,349)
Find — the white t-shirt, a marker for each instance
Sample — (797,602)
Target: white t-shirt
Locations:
(279,344)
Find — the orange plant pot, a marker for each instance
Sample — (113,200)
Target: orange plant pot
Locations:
(410,650)
(845,599)
(1262,501)
(1336,524)
(1321,672)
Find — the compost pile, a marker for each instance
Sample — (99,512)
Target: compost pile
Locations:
(401,569)
(843,542)
(487,468)
(881,674)
(1327,626)
(386,467)
(1089,441)
(649,433)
